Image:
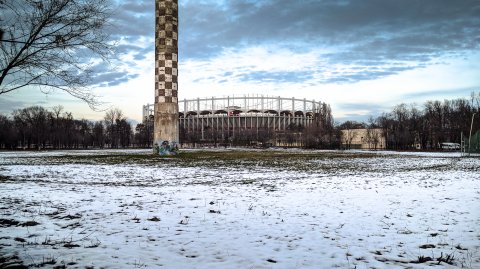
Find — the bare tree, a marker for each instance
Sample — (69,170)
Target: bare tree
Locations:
(348,137)
(53,44)
(8,133)
(112,119)
(372,136)
(34,123)
(349,133)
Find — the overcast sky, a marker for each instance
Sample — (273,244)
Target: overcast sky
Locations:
(360,56)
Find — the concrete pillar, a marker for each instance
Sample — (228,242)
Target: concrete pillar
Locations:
(166,131)
(213,105)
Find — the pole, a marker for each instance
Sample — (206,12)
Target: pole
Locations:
(470,137)
(166,129)
(462,145)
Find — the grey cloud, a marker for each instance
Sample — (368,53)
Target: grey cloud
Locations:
(354,117)
(449,93)
(103,76)
(374,106)
(375,30)
(368,33)
(263,76)
(8,106)
(139,53)
(133,19)
(374,110)
(125,49)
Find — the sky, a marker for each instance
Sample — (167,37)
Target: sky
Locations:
(361,57)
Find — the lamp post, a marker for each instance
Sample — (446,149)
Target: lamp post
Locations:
(470,137)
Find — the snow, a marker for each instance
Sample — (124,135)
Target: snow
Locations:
(335,209)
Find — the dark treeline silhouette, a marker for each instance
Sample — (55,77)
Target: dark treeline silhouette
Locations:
(425,127)
(406,127)
(322,134)
(39,128)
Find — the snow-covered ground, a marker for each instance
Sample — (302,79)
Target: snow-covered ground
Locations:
(325,210)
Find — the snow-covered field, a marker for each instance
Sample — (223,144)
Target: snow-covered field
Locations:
(236,209)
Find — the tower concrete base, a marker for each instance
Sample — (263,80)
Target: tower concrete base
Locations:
(165,128)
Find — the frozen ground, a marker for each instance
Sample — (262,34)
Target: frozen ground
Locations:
(236,209)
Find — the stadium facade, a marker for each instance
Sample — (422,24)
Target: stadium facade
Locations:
(246,120)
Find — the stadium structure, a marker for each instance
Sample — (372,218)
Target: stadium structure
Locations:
(246,120)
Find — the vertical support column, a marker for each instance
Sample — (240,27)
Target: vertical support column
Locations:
(257,125)
(213,105)
(228,117)
(166,131)
(223,128)
(199,123)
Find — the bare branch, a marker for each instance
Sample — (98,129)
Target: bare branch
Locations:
(52,44)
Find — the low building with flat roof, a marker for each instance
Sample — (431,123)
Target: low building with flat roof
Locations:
(367,138)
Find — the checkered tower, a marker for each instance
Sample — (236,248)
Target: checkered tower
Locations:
(166,72)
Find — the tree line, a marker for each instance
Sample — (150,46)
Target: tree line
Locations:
(39,128)
(409,126)
(405,127)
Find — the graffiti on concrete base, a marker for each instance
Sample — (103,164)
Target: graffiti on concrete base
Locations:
(166,148)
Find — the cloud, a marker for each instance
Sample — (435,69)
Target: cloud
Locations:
(448,93)
(108,79)
(364,106)
(347,41)
(7,106)
(339,51)
(393,35)
(133,19)
(132,29)
(329,22)
(280,77)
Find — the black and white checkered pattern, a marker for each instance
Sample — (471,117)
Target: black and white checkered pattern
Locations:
(166,51)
